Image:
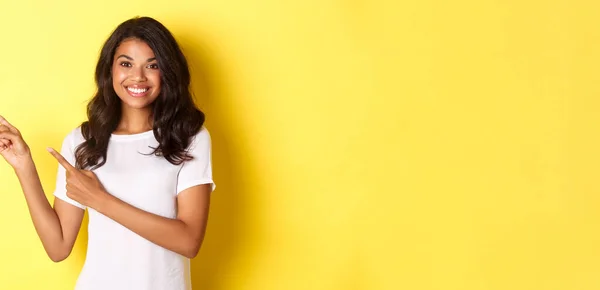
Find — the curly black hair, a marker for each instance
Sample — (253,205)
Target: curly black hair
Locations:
(175,116)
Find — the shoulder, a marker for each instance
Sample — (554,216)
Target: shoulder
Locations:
(74,137)
(202,136)
(200,141)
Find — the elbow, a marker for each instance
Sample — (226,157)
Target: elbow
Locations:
(58,255)
(190,254)
(57,259)
(192,250)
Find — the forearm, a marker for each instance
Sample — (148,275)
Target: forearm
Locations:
(45,219)
(172,234)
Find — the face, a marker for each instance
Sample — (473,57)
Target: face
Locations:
(135,74)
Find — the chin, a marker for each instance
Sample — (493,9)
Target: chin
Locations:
(137,105)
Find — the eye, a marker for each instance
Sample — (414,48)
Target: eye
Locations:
(125,64)
(153,66)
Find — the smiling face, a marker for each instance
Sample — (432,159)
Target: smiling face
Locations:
(135,75)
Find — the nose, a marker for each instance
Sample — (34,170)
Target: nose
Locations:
(137,74)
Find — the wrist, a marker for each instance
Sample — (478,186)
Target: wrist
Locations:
(25,167)
(105,201)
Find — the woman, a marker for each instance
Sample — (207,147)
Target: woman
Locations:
(140,165)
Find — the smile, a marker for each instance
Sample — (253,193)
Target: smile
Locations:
(137,92)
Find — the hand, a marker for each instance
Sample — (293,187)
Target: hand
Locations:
(83,186)
(12,146)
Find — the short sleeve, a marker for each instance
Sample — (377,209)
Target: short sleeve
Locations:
(67,151)
(198,170)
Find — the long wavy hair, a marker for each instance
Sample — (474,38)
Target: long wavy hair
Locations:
(175,116)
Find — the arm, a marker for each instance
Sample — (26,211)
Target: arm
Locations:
(56,227)
(183,235)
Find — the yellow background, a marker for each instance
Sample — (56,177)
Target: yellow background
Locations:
(357,144)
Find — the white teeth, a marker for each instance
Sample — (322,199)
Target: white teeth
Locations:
(137,91)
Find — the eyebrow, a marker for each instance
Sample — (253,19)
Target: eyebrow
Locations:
(130,58)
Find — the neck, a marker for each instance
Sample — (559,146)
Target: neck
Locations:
(134,121)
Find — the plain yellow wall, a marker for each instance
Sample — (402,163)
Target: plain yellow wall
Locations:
(357,144)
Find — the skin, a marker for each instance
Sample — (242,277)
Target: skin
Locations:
(57,226)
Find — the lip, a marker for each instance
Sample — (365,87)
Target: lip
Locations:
(137,95)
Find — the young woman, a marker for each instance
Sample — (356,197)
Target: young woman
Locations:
(140,165)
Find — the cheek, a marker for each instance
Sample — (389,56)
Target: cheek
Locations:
(155,78)
(118,76)
(118,73)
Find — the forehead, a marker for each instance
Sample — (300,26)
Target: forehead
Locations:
(134,48)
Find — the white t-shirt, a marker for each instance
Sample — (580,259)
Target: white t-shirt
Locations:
(118,258)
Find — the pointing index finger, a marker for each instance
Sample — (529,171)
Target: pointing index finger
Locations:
(62,160)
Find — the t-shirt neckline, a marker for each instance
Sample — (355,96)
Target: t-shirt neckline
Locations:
(124,137)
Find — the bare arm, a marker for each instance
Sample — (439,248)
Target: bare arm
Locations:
(183,235)
(56,227)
